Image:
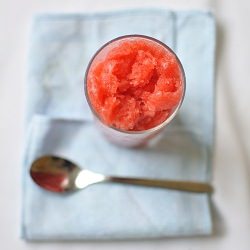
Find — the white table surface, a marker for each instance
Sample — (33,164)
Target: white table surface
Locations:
(231,202)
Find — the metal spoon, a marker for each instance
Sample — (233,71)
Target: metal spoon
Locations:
(60,175)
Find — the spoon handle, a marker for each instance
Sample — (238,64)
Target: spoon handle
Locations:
(188,186)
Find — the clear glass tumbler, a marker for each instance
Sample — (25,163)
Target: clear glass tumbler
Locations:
(122,137)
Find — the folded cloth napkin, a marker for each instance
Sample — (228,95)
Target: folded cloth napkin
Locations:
(59,123)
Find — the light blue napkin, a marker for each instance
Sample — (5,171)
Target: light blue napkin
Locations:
(59,123)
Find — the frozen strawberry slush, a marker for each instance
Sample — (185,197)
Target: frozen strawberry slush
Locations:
(135,84)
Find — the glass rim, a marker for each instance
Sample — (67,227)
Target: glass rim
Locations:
(150,130)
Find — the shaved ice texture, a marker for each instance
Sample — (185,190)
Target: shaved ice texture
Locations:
(135,84)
